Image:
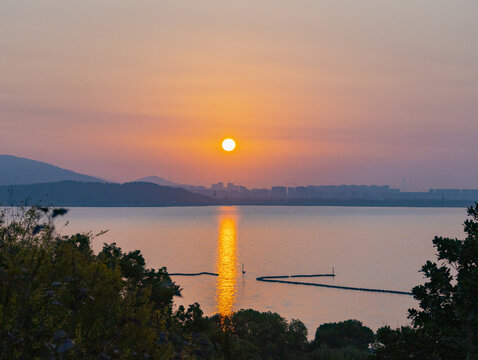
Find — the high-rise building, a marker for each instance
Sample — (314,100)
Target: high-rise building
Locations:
(279,191)
(232,187)
(218,186)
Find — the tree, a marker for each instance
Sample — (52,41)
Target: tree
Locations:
(343,334)
(446,324)
(60,300)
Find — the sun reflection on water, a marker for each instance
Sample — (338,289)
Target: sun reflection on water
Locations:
(226,262)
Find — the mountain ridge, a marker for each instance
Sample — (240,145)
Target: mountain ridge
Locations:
(74,193)
(160,181)
(16,170)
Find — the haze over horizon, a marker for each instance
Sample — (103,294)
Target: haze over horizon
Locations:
(327,92)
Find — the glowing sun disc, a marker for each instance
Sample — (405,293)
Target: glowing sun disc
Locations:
(228,144)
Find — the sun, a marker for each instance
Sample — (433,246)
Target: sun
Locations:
(228,144)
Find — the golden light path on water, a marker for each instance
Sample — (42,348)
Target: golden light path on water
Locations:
(226,263)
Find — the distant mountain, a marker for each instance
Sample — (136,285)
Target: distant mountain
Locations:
(72,193)
(16,171)
(159,181)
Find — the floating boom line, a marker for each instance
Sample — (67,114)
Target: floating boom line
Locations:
(275,280)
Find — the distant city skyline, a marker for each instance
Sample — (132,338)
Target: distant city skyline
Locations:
(313,92)
(23,180)
(401,185)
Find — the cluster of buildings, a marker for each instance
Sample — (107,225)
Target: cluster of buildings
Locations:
(231,191)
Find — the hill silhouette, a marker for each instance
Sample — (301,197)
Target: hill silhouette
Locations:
(73,193)
(160,181)
(17,171)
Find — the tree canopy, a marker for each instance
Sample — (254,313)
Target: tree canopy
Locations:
(446,324)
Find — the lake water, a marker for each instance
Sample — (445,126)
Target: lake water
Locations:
(368,247)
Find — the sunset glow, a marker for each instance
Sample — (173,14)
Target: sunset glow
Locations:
(317,92)
(317,144)
(228,144)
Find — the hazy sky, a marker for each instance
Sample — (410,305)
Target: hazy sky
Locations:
(314,92)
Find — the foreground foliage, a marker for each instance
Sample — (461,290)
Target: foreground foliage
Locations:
(446,325)
(59,300)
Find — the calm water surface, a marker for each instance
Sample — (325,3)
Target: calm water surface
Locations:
(368,247)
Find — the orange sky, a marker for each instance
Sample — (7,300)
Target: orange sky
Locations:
(314,92)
